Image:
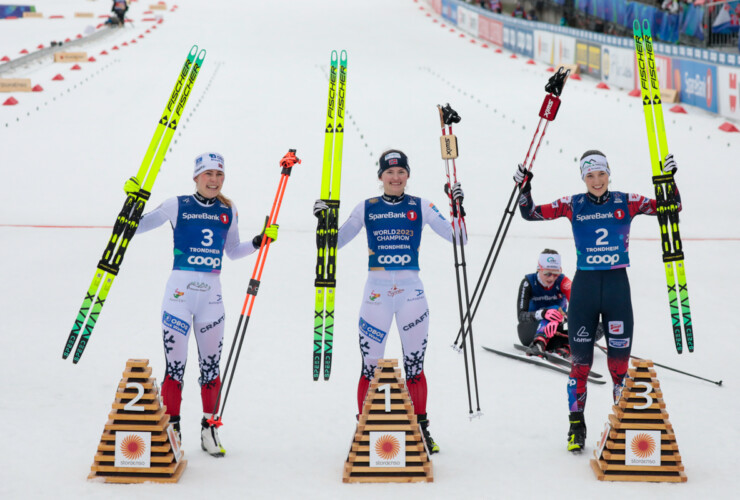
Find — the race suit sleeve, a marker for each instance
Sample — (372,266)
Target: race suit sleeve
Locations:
(524,315)
(439,224)
(167,211)
(352,225)
(554,210)
(233,247)
(639,204)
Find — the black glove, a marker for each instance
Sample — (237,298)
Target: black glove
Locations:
(669,165)
(523,177)
(319,207)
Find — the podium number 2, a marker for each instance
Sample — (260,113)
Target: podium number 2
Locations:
(130,405)
(648,398)
(386,388)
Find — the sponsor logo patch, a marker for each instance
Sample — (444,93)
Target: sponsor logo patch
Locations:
(395,291)
(175,323)
(373,296)
(371,332)
(616,327)
(619,343)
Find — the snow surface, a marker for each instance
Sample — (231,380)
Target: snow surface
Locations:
(65,153)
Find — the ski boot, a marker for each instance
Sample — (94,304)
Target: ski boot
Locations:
(209,440)
(432,447)
(537,348)
(577,432)
(175,421)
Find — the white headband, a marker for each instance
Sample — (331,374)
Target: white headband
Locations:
(208,161)
(594,163)
(550,261)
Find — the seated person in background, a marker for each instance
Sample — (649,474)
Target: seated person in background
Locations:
(542,303)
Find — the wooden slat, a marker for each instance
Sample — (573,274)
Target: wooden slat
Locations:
(138,373)
(637,414)
(387,470)
(664,437)
(164,448)
(611,445)
(126,479)
(137,363)
(158,437)
(143,416)
(638,426)
(147,406)
(158,427)
(624,404)
(365,448)
(148,385)
(101,458)
(673,457)
(169,469)
(605,466)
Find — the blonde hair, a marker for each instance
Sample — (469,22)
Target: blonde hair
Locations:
(223,199)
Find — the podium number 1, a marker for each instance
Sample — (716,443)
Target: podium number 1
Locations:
(386,388)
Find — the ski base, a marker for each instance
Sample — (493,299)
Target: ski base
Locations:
(540,362)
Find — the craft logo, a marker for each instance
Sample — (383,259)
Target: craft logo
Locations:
(619,214)
(133,449)
(643,448)
(374,296)
(411,215)
(387,449)
(616,327)
(224,218)
(178,293)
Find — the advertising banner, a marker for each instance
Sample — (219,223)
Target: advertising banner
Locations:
(588,58)
(519,40)
(449,11)
(642,448)
(544,47)
(491,30)
(618,67)
(387,449)
(564,50)
(467,20)
(697,83)
(133,449)
(728,90)
(437,6)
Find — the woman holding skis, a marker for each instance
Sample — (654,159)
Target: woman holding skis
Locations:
(393,223)
(601,221)
(205,226)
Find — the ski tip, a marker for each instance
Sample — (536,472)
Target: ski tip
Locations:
(201,55)
(334,56)
(343,55)
(194,50)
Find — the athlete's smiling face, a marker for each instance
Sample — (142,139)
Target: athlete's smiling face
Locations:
(597,182)
(394,180)
(209,183)
(548,277)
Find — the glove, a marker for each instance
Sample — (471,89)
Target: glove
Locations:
(669,165)
(553,315)
(457,192)
(131,186)
(319,207)
(269,231)
(550,329)
(523,177)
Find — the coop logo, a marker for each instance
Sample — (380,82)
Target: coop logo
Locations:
(394,259)
(199,260)
(602,259)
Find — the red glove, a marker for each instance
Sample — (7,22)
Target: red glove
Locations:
(553,315)
(551,328)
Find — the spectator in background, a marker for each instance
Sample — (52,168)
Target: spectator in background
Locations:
(496,6)
(519,11)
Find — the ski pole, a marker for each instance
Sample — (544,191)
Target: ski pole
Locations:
(548,112)
(448,116)
(286,163)
(715,382)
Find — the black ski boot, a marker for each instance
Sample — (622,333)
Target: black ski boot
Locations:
(175,421)
(432,447)
(537,348)
(577,432)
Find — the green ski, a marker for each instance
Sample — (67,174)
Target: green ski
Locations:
(665,188)
(133,208)
(327,229)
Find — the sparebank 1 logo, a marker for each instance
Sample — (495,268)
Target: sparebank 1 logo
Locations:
(133,447)
(643,445)
(387,447)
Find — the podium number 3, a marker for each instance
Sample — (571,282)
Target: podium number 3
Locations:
(386,388)
(130,405)
(648,398)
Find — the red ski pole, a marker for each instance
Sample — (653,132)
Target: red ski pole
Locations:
(286,163)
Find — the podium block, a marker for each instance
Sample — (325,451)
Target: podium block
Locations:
(387,446)
(138,443)
(638,442)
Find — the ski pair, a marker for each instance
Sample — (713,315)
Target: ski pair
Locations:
(133,208)
(556,359)
(595,378)
(665,187)
(328,223)
(548,112)
(286,165)
(448,144)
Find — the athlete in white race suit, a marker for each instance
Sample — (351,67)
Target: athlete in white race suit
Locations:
(205,227)
(394,223)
